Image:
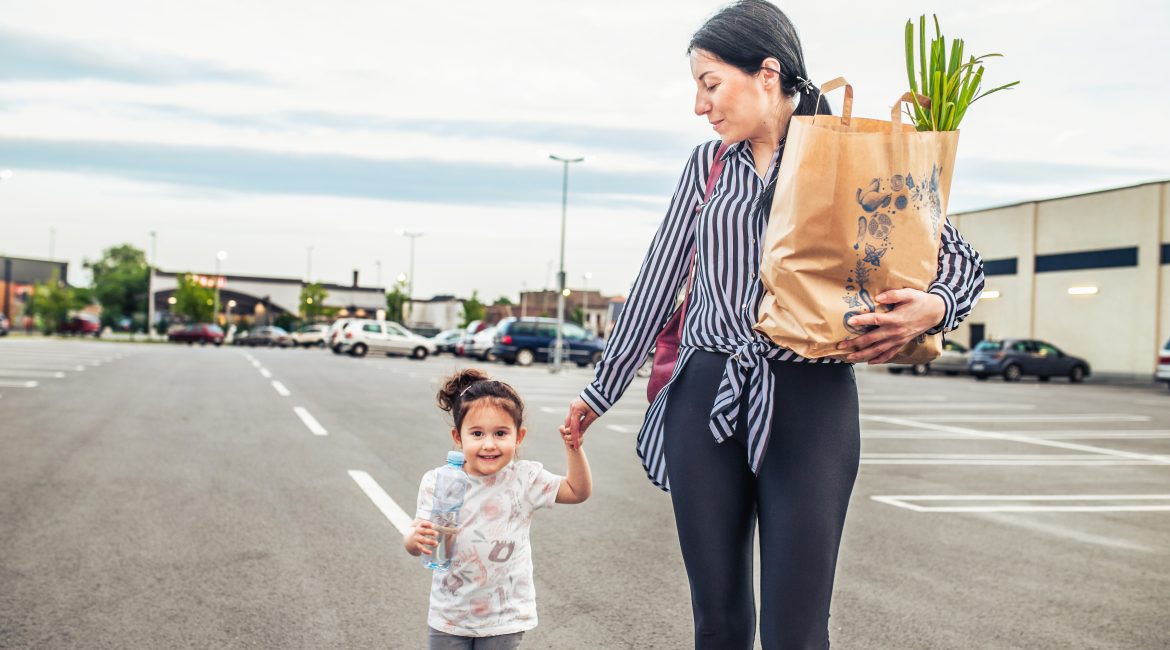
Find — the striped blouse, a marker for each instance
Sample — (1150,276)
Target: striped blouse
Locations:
(728,232)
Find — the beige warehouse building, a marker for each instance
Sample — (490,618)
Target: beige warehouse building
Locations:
(1088,273)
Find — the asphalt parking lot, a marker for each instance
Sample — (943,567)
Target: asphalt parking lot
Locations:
(166,496)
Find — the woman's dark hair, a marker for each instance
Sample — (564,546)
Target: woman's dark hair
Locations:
(466,388)
(745,33)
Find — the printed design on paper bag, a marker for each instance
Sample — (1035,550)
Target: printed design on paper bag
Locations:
(881,200)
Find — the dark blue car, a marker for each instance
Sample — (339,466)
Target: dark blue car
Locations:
(522,341)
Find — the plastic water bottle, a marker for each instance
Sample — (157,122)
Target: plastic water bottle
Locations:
(450,488)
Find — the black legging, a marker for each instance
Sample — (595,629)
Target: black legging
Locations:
(800,498)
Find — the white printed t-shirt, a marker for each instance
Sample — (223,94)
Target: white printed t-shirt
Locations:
(488,590)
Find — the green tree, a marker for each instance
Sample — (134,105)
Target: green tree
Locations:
(120,282)
(313,302)
(578,316)
(503,300)
(285,321)
(193,301)
(473,309)
(396,302)
(52,301)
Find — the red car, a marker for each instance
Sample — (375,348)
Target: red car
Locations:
(201,333)
(82,325)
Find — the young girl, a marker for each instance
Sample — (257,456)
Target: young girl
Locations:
(487,599)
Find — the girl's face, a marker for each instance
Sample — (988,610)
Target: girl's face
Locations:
(739,106)
(489,438)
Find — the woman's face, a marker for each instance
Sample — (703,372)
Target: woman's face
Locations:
(738,105)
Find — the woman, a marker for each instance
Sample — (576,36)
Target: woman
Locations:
(747,430)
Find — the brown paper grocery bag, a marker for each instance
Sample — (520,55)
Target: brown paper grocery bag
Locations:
(859,209)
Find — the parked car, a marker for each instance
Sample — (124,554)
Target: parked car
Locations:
(523,341)
(362,336)
(1014,358)
(83,324)
(1163,373)
(240,337)
(269,336)
(201,333)
(310,335)
(469,332)
(445,341)
(951,361)
(4,325)
(481,344)
(333,335)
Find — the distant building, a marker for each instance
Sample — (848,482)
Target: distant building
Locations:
(1088,273)
(440,312)
(595,306)
(18,275)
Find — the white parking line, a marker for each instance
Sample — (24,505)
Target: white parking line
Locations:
(280,389)
(907,502)
(396,515)
(1081,417)
(18,366)
(264,373)
(18,384)
(310,421)
(46,374)
(1020,438)
(948,406)
(621,428)
(1114,434)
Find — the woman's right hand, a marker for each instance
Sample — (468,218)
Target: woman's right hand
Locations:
(578,420)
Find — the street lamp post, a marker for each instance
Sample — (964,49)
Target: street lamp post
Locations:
(309,265)
(219,257)
(410,285)
(558,354)
(378,263)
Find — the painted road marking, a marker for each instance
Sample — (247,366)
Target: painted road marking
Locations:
(975,433)
(310,421)
(1084,417)
(382,500)
(20,366)
(1010,502)
(948,406)
(17,384)
(1112,434)
(621,428)
(47,374)
(280,389)
(264,373)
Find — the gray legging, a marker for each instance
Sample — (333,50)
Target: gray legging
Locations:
(437,640)
(799,498)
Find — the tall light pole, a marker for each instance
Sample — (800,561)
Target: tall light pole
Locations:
(378,263)
(219,257)
(150,286)
(410,279)
(309,265)
(52,241)
(559,353)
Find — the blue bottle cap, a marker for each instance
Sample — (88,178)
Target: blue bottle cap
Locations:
(455,458)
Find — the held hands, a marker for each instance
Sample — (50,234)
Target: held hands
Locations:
(421,538)
(579,418)
(912,313)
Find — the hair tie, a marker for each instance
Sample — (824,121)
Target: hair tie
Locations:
(805,86)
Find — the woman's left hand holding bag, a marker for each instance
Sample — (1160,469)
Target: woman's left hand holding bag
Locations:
(912,313)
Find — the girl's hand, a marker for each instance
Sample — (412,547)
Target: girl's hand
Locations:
(422,537)
(567,436)
(578,420)
(915,312)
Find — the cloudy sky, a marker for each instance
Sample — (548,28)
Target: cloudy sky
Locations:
(264,128)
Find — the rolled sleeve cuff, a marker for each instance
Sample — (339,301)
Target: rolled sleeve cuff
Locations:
(948,321)
(596,401)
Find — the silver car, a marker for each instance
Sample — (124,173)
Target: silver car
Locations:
(952,361)
(362,336)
